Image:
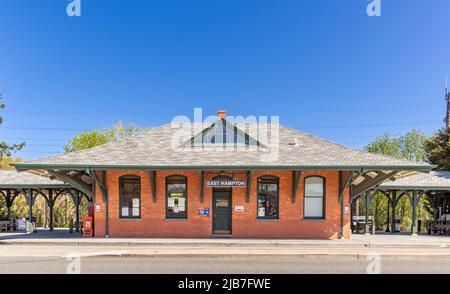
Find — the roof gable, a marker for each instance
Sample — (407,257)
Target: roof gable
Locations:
(222,133)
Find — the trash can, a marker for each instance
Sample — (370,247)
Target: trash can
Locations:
(30,227)
(419,226)
(21,224)
(397,225)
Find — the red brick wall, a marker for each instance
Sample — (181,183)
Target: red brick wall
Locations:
(153,222)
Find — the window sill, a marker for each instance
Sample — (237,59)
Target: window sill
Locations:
(130,218)
(267,219)
(314,219)
(177,219)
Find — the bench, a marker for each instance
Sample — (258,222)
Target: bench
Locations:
(359,224)
(8,225)
(439,226)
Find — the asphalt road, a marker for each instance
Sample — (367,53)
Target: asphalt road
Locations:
(231,265)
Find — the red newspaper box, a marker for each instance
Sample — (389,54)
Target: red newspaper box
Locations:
(88,226)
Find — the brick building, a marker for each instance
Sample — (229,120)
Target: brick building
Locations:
(225,178)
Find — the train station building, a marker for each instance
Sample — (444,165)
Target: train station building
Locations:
(223,178)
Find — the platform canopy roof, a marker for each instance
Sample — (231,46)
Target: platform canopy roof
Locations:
(433,181)
(11,179)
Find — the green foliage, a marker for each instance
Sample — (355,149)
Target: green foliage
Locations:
(63,211)
(438,149)
(5,149)
(5,162)
(379,210)
(99,137)
(410,146)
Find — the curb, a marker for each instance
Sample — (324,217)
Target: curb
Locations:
(358,256)
(224,244)
(288,255)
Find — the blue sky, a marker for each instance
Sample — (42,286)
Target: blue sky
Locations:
(323,66)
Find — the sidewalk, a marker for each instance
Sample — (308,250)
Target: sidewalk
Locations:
(63,238)
(63,244)
(38,251)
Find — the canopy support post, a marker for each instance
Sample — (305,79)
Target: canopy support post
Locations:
(77,211)
(394,205)
(414,199)
(367,204)
(30,199)
(50,206)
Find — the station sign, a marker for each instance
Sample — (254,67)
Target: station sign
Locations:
(226,183)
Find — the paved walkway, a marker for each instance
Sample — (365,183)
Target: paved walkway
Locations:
(187,250)
(63,237)
(61,244)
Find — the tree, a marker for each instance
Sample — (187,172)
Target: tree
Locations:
(5,162)
(5,149)
(410,146)
(438,149)
(89,139)
(64,208)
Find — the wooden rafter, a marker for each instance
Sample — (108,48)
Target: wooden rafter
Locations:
(369,184)
(74,181)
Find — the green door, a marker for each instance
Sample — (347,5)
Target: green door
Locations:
(222,212)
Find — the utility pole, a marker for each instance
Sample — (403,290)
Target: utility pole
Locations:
(447,99)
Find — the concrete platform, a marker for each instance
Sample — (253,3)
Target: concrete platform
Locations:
(62,237)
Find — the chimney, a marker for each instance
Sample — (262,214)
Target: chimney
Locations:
(222,114)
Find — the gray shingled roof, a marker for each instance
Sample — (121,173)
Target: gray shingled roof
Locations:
(437,180)
(14,179)
(153,149)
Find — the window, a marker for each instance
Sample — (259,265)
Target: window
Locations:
(224,133)
(267,205)
(176,197)
(130,196)
(314,197)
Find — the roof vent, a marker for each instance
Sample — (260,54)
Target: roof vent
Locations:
(294,142)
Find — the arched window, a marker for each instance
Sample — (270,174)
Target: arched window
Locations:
(267,200)
(130,196)
(314,197)
(176,197)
